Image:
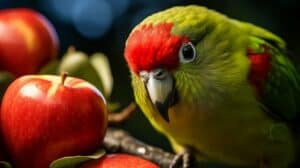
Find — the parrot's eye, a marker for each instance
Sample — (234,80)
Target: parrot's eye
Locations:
(187,53)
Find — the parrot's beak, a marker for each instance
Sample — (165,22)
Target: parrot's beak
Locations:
(161,89)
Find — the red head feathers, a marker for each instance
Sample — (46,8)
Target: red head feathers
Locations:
(153,46)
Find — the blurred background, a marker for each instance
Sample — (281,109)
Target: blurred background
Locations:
(103,26)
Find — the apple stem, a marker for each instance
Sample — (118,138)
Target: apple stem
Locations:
(63,75)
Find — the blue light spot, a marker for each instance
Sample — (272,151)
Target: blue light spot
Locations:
(60,9)
(92,18)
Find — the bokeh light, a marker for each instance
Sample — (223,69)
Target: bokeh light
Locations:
(92,18)
(60,9)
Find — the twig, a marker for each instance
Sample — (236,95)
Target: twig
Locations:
(117,140)
(120,117)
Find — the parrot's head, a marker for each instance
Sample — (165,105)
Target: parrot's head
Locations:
(178,53)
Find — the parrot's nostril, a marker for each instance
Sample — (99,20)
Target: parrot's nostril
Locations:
(160,74)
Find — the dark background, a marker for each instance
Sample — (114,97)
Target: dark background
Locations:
(103,26)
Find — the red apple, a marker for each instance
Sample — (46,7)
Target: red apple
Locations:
(119,161)
(46,117)
(27,41)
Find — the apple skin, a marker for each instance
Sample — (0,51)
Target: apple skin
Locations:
(43,120)
(27,41)
(119,161)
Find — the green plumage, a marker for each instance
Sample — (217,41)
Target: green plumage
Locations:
(220,115)
(282,88)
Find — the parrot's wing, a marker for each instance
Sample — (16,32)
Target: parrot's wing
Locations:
(280,88)
(276,78)
(262,34)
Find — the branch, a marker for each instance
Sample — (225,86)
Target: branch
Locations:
(117,140)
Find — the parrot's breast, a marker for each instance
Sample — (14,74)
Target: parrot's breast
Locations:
(236,135)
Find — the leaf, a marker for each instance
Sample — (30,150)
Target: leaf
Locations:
(5,164)
(74,161)
(77,64)
(101,64)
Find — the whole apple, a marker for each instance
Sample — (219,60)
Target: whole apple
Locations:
(27,41)
(46,117)
(119,161)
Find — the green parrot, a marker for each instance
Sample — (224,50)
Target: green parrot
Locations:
(220,88)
